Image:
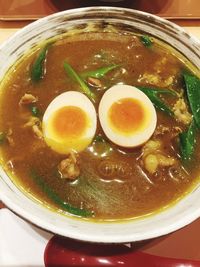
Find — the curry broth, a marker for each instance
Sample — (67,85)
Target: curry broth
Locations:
(129,192)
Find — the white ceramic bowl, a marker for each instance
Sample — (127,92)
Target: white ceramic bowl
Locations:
(171,219)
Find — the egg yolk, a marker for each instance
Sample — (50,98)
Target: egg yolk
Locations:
(69,122)
(127,115)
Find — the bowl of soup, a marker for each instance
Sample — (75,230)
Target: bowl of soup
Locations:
(99,125)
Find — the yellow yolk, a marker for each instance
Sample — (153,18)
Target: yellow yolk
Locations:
(127,115)
(69,122)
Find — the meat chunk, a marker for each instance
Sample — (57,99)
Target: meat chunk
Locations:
(163,130)
(69,167)
(9,137)
(35,124)
(94,82)
(37,131)
(158,76)
(151,163)
(27,99)
(181,112)
(153,157)
(151,146)
(166,161)
(156,79)
(32,121)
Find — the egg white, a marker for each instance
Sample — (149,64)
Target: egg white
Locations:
(65,145)
(137,138)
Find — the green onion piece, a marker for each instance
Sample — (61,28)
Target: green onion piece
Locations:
(162,91)
(193,93)
(37,70)
(2,137)
(72,74)
(99,73)
(56,199)
(35,111)
(146,40)
(153,93)
(188,142)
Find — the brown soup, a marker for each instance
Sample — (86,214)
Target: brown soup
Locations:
(104,181)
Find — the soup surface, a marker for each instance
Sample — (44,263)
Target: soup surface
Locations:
(61,156)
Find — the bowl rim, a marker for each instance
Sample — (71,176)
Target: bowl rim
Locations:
(100,8)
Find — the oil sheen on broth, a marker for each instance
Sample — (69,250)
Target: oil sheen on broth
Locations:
(102,180)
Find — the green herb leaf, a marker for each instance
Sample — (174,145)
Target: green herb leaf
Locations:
(188,142)
(55,198)
(193,92)
(153,93)
(99,73)
(37,70)
(72,74)
(2,137)
(146,40)
(35,111)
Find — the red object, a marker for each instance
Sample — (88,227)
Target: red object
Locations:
(66,252)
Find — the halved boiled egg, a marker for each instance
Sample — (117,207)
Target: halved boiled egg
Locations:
(69,122)
(127,116)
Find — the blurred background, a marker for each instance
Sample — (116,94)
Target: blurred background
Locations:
(33,9)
